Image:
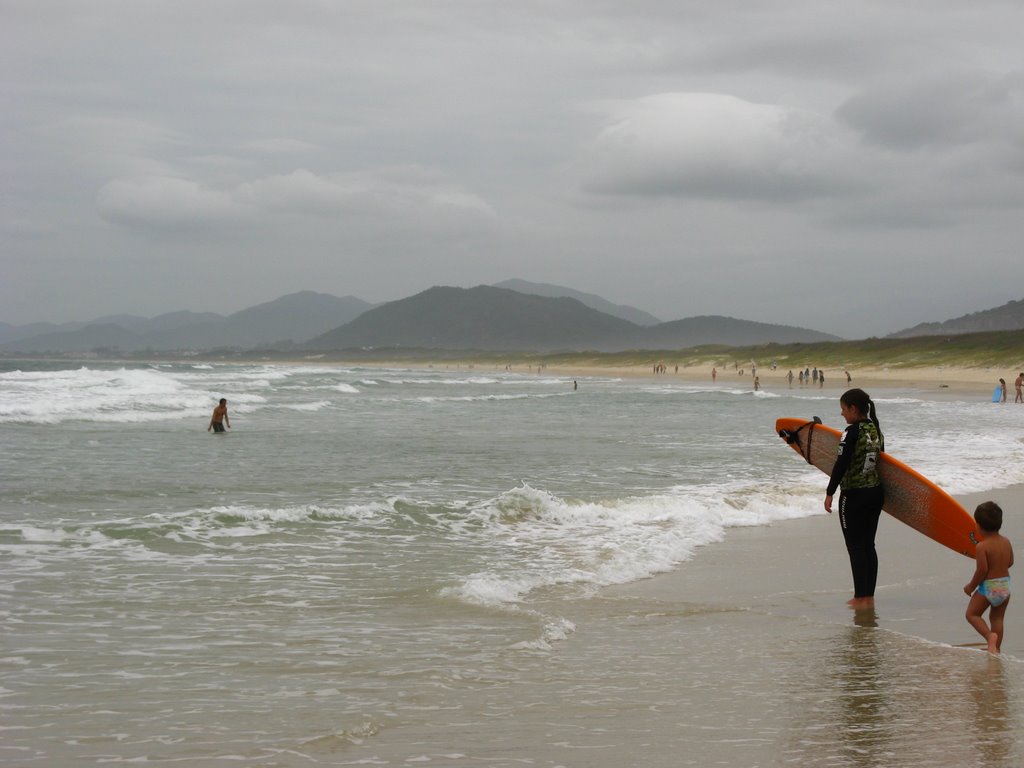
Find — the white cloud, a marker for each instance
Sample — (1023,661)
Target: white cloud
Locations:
(161,202)
(400,198)
(300,192)
(710,145)
(400,194)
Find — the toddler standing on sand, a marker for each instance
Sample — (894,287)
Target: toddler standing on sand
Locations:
(991,577)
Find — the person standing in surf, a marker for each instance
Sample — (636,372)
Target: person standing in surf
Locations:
(860,502)
(219,417)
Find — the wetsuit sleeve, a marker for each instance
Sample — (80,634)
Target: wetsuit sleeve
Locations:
(847,443)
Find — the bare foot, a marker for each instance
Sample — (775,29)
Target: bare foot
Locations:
(861,603)
(993,643)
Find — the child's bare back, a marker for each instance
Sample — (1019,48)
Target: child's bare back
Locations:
(998,555)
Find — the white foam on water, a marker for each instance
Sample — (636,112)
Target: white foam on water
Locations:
(319,405)
(124,395)
(543,541)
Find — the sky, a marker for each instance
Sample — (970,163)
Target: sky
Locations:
(855,168)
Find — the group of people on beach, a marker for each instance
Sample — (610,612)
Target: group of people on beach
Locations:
(855,475)
(805,377)
(1018,386)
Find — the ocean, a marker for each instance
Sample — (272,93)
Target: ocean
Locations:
(391,566)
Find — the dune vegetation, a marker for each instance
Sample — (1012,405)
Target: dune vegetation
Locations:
(998,349)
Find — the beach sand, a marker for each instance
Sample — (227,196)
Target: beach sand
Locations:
(800,567)
(933,380)
(936,380)
(907,684)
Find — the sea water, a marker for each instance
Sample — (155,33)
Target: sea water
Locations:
(378,566)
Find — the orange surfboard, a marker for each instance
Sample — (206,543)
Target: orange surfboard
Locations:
(910,497)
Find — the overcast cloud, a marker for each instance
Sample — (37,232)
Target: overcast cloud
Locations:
(851,167)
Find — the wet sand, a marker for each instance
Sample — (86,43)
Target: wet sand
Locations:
(800,567)
(747,655)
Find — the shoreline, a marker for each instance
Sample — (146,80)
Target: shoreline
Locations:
(979,381)
(799,569)
(941,380)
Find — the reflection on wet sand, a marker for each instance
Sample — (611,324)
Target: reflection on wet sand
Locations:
(861,693)
(875,697)
(993,722)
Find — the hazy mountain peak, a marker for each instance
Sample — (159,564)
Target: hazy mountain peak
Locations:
(623,311)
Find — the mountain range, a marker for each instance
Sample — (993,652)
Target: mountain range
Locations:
(499,319)
(282,322)
(622,311)
(515,315)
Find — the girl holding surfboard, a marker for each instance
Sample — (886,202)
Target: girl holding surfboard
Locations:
(860,501)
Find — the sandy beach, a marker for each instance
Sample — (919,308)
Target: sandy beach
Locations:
(800,567)
(939,380)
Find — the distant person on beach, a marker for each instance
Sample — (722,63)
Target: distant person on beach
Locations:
(789,378)
(757,383)
(991,577)
(1002,390)
(1017,384)
(714,376)
(860,503)
(849,378)
(220,417)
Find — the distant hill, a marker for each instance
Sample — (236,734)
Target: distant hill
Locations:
(10,332)
(92,337)
(622,311)
(292,318)
(715,329)
(133,323)
(165,322)
(484,318)
(289,319)
(499,319)
(1008,317)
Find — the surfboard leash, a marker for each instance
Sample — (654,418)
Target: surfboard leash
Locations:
(791,436)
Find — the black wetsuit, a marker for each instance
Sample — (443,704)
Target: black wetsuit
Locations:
(860,504)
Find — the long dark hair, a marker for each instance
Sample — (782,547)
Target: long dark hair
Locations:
(862,401)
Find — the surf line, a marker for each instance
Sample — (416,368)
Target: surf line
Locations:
(792,435)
